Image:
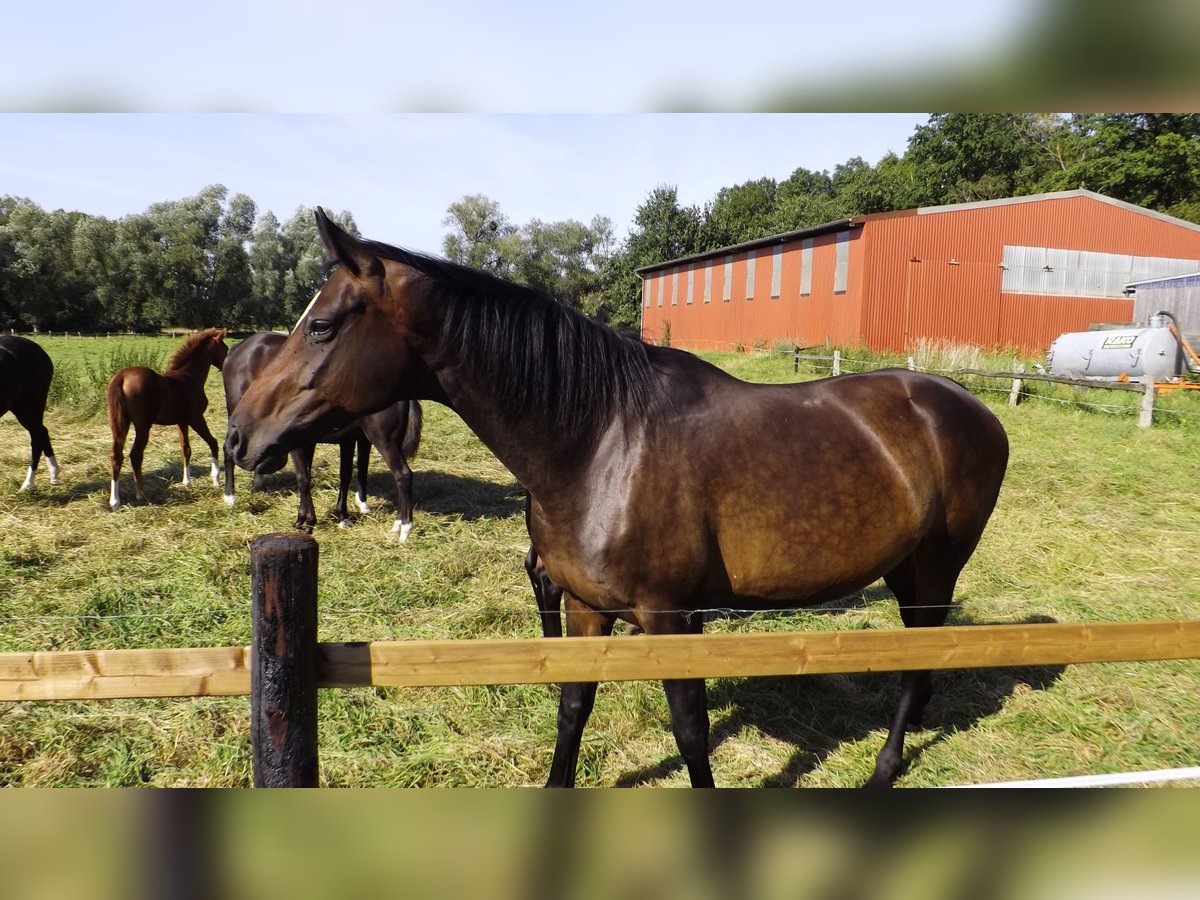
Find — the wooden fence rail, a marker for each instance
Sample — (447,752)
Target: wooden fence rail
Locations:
(225,671)
(285,664)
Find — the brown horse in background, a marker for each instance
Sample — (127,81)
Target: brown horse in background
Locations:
(25,375)
(141,397)
(394,430)
(660,486)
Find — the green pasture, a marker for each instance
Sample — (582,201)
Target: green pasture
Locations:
(1098,521)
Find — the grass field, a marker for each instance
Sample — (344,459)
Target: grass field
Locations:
(1098,521)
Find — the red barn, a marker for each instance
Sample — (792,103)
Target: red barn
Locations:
(1013,273)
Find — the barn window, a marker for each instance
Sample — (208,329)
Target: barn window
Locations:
(750,260)
(661,281)
(675,286)
(806,263)
(728,290)
(646,288)
(708,282)
(691,281)
(776,271)
(841,262)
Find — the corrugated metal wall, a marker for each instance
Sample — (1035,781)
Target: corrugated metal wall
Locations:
(758,318)
(934,275)
(1180,298)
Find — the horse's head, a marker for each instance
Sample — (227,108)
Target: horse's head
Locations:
(351,354)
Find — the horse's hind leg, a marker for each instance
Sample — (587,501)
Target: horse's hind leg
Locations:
(141,437)
(924,588)
(115,458)
(185,451)
(39,446)
(687,699)
(393,457)
(575,699)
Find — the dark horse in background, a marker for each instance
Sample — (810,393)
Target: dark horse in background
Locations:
(25,375)
(394,430)
(659,485)
(141,397)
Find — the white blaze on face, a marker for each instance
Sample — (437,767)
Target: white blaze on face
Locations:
(307,309)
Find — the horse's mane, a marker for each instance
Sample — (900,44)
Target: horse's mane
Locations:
(185,351)
(536,352)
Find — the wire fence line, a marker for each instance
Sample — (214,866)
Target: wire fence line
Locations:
(834,366)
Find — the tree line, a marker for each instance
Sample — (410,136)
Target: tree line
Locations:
(212,259)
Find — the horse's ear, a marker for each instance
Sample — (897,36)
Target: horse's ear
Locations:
(347,249)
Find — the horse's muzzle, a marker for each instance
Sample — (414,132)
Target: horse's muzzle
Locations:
(271,459)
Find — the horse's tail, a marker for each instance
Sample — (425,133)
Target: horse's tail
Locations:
(412,434)
(118,416)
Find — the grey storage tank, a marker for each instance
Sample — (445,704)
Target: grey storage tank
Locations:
(1142,354)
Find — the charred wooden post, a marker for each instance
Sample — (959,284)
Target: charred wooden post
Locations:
(283,654)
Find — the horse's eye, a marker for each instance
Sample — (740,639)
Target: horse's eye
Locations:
(320,328)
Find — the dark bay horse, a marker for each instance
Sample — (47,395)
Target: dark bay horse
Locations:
(659,485)
(394,430)
(25,375)
(141,397)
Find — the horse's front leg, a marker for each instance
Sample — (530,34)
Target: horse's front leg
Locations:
(575,699)
(345,470)
(546,594)
(302,460)
(200,426)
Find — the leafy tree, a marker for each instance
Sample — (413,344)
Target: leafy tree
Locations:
(565,259)
(268,269)
(740,213)
(304,257)
(961,157)
(1151,159)
(861,188)
(43,289)
(231,293)
(481,236)
(662,230)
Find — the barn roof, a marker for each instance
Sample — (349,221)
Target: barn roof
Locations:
(1058,195)
(836,225)
(858,221)
(1189,278)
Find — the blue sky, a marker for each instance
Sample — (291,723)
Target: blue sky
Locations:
(398,173)
(467,55)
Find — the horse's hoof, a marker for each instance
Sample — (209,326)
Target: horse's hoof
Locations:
(344,523)
(229,498)
(403,530)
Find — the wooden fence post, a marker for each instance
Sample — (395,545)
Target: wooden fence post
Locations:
(283,654)
(1146,417)
(1014,396)
(837,362)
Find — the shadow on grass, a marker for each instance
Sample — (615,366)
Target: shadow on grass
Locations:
(440,493)
(437,493)
(818,713)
